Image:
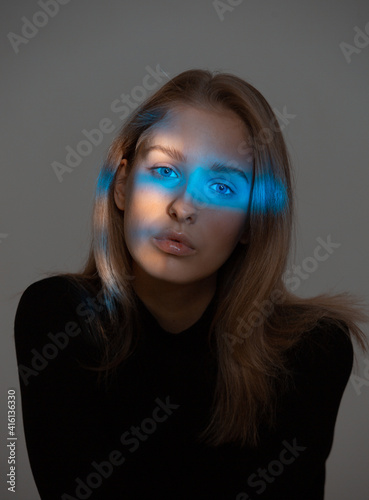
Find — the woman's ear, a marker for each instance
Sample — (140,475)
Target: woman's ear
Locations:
(120,184)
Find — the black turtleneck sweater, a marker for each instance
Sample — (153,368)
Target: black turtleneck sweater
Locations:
(136,438)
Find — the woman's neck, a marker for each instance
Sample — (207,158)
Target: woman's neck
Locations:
(175,306)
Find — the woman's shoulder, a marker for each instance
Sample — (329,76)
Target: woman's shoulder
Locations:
(45,308)
(55,284)
(324,355)
(329,339)
(45,286)
(43,296)
(50,330)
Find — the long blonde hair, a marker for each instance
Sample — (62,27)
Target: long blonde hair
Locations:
(251,363)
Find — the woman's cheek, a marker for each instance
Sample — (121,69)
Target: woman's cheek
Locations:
(230,226)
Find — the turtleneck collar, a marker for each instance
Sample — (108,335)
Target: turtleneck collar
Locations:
(196,331)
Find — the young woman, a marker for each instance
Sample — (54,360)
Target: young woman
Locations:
(177,364)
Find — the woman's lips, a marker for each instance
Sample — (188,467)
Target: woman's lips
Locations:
(173,243)
(173,247)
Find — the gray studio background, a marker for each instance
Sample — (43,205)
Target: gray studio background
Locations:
(65,79)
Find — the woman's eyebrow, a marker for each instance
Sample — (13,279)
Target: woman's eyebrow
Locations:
(180,157)
(172,152)
(228,169)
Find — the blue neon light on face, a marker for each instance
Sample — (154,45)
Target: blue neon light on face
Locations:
(189,176)
(168,173)
(220,186)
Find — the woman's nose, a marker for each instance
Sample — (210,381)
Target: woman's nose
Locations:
(188,202)
(183,208)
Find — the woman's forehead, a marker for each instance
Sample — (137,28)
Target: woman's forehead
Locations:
(197,134)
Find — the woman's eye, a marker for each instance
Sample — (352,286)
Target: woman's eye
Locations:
(221,188)
(165,172)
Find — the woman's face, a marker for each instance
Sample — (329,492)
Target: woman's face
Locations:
(184,213)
